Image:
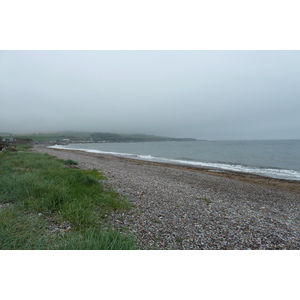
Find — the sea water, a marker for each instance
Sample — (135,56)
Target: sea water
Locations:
(271,158)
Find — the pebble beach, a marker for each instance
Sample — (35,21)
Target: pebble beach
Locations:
(177,207)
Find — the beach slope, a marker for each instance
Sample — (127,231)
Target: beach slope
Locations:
(178,207)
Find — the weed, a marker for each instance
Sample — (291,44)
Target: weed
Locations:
(207,201)
(155,221)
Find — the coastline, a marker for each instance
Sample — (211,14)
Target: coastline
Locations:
(284,184)
(267,158)
(186,207)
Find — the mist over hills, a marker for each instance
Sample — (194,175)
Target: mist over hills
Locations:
(74,136)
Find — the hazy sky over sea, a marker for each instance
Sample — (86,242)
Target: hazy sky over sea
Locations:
(200,94)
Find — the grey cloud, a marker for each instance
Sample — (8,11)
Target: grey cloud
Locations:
(201,94)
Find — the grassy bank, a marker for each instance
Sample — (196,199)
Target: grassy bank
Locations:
(46,203)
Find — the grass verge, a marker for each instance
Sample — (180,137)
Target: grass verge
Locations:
(39,193)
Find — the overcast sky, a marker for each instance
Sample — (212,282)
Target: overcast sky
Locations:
(200,94)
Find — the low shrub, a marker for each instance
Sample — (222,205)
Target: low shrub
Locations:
(70,162)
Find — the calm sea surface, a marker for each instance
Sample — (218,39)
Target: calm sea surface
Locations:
(272,158)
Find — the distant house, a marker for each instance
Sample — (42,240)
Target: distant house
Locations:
(8,140)
(15,141)
(3,143)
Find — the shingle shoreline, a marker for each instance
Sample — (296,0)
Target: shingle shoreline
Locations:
(176,207)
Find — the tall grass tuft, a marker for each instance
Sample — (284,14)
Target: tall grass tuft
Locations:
(38,184)
(95,239)
(19,231)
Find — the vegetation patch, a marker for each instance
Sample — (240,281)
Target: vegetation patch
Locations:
(41,191)
(207,201)
(70,162)
(156,221)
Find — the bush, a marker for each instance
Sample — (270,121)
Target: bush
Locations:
(70,162)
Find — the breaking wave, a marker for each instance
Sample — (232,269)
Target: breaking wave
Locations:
(213,166)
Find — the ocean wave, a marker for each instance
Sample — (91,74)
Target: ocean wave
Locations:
(269,172)
(90,150)
(215,166)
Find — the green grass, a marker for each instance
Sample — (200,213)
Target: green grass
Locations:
(23,147)
(207,201)
(41,190)
(22,231)
(93,239)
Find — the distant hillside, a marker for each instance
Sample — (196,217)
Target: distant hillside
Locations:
(113,137)
(73,137)
(56,136)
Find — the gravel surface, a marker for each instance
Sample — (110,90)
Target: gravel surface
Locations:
(187,208)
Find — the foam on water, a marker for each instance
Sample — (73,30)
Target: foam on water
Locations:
(268,172)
